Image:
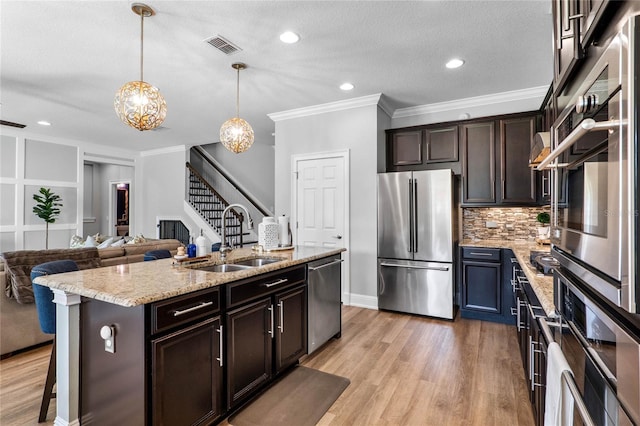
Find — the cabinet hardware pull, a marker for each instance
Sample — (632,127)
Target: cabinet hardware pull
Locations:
(191,309)
(281,326)
(514,260)
(514,311)
(281,281)
(518,304)
(475,253)
(531,364)
(220,358)
(271,314)
(315,268)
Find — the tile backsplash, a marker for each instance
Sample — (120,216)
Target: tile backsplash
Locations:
(512,223)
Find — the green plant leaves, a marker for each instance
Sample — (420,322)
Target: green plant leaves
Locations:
(47,207)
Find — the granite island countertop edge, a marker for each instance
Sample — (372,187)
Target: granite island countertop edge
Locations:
(141,283)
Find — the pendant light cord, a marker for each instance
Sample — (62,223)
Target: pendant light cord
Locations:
(141,42)
(238,94)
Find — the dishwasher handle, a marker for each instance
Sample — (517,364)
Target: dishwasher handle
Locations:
(315,268)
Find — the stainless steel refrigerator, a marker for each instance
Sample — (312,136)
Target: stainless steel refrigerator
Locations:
(417,230)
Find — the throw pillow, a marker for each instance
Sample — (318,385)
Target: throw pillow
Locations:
(99,238)
(106,243)
(137,239)
(90,242)
(76,242)
(119,243)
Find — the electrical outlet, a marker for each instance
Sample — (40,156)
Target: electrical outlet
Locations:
(509,226)
(491,224)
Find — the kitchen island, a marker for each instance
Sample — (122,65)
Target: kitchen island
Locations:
(143,294)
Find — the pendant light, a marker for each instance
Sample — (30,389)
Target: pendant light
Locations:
(137,103)
(236,134)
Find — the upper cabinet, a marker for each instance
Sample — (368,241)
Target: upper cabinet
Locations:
(406,148)
(423,148)
(441,143)
(517,179)
(478,163)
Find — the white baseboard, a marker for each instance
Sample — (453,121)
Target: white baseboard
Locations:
(362,301)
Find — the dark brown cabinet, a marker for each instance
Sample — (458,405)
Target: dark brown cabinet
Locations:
(481,283)
(249,349)
(517,180)
(566,39)
(478,163)
(267,330)
(406,148)
(186,375)
(441,144)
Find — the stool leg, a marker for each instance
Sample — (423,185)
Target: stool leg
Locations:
(48,385)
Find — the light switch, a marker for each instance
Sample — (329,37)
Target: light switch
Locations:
(491,224)
(108,333)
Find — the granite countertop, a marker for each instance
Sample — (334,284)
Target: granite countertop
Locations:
(140,283)
(542,285)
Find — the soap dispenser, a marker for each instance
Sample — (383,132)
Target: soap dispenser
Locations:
(191,248)
(201,245)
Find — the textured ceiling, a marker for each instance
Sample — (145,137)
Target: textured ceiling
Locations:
(64,61)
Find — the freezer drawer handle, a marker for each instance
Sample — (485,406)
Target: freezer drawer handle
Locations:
(281,281)
(431,268)
(193,308)
(475,253)
(315,268)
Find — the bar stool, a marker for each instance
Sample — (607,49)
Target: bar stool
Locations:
(47,318)
(157,254)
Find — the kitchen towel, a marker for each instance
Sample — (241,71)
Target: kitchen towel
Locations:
(558,409)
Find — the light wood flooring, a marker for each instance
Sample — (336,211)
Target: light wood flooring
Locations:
(404,370)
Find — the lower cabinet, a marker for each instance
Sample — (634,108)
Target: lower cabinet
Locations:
(267,331)
(532,340)
(485,295)
(186,375)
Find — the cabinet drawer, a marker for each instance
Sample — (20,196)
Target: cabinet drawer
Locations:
(245,290)
(486,254)
(183,309)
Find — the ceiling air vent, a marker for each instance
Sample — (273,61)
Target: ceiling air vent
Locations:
(223,45)
(12,124)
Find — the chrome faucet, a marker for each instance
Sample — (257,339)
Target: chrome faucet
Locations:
(224,248)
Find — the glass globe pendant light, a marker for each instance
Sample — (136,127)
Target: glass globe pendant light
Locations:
(137,103)
(236,134)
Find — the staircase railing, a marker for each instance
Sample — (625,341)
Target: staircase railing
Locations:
(210,205)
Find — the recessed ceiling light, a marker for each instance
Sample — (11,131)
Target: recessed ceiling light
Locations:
(346,86)
(289,37)
(44,123)
(454,63)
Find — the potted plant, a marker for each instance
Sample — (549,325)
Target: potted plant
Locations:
(544,229)
(47,209)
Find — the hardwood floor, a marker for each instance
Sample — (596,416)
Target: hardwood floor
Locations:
(404,370)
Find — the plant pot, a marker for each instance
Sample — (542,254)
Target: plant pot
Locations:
(544,232)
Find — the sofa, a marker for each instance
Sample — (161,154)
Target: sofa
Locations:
(19,327)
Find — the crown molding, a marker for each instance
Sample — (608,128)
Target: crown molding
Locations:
(477,101)
(385,106)
(328,107)
(167,150)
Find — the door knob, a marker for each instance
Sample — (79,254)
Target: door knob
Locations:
(338,236)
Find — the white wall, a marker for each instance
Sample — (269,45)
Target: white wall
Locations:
(161,190)
(254,169)
(355,129)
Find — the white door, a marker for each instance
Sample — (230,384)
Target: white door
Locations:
(321,207)
(320,202)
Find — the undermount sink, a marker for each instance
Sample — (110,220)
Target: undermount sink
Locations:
(258,261)
(225,267)
(240,265)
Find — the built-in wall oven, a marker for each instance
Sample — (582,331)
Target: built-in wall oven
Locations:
(601,351)
(595,163)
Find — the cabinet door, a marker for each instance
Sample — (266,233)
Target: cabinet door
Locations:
(566,40)
(406,148)
(249,349)
(187,375)
(478,163)
(441,144)
(291,333)
(482,286)
(517,184)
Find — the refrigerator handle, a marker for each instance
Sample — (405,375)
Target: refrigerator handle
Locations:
(414,225)
(411,234)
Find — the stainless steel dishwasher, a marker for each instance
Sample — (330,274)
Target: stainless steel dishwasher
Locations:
(325,314)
